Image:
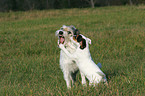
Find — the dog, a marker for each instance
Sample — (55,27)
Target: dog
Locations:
(67,64)
(84,60)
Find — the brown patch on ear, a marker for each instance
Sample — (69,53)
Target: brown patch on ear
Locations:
(74,39)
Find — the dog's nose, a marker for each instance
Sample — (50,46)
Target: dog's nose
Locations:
(60,32)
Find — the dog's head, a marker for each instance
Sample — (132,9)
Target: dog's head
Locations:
(63,36)
(65,33)
(75,32)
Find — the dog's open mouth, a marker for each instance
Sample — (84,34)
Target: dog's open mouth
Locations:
(61,39)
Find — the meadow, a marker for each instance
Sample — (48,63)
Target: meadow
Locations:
(29,56)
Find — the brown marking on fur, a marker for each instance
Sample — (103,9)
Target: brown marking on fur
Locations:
(74,39)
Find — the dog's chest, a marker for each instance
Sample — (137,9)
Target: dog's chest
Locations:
(82,54)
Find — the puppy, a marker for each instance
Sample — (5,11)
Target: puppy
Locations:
(84,61)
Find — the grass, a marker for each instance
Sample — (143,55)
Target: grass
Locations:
(29,56)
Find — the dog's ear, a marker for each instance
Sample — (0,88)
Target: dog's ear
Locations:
(83,44)
(79,38)
(76,32)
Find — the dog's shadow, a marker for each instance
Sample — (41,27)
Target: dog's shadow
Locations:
(111,74)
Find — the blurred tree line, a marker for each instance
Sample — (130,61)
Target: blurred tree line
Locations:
(24,5)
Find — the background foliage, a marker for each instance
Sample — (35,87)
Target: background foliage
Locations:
(23,5)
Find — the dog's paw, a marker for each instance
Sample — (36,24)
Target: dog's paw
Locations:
(61,46)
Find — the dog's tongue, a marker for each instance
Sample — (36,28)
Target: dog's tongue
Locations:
(61,40)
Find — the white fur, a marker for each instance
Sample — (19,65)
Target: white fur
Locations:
(68,64)
(85,63)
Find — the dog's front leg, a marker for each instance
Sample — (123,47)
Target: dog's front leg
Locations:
(61,46)
(83,79)
(67,79)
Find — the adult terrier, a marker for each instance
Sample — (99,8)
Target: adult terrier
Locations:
(68,64)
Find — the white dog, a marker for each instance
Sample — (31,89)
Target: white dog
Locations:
(67,64)
(84,61)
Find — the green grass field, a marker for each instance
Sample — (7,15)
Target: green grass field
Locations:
(29,56)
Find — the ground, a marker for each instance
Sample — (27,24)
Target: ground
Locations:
(29,56)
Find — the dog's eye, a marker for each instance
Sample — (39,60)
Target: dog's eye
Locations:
(69,32)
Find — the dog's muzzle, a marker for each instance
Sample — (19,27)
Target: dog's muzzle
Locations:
(61,37)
